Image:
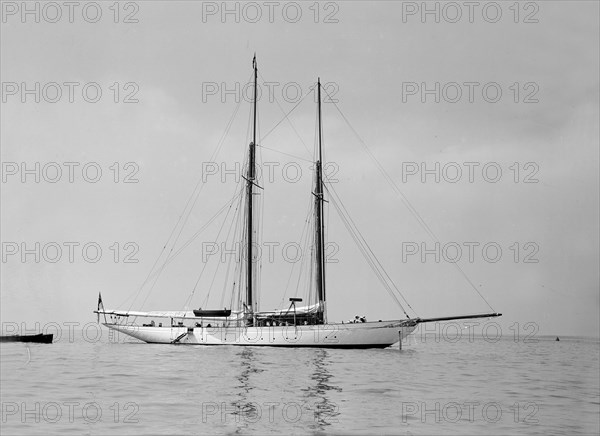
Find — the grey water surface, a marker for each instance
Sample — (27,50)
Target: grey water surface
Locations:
(98,387)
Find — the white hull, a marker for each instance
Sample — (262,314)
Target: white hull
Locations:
(353,335)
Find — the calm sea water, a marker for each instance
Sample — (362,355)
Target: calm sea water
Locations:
(103,388)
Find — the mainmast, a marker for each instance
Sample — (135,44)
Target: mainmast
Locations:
(249,199)
(319,222)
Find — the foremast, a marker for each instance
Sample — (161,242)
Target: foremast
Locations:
(250,181)
(319,220)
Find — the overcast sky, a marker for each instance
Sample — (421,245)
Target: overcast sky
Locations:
(377,58)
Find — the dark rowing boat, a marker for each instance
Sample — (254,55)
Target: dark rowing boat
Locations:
(40,338)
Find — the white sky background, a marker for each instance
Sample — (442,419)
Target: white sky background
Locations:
(369,53)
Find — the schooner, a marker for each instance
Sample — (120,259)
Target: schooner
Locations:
(295,326)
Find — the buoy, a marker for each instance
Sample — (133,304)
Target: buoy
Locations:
(557,339)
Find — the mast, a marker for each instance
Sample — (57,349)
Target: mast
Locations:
(319,222)
(249,199)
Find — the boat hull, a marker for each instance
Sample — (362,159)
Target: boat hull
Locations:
(39,338)
(353,335)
